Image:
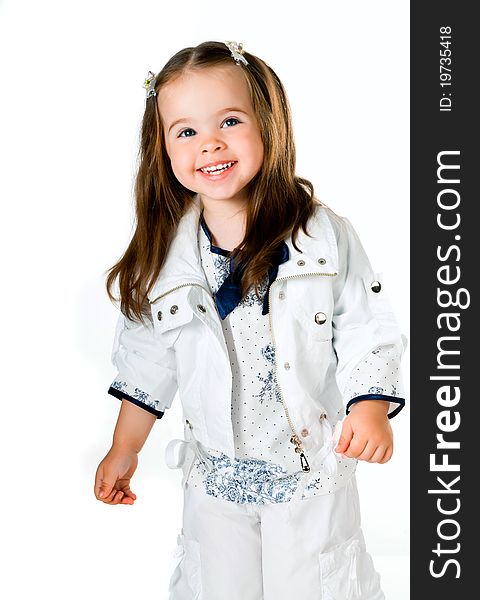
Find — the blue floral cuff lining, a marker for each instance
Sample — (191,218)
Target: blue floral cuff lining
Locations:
(396,399)
(120,395)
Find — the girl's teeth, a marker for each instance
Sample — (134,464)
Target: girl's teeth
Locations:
(218,169)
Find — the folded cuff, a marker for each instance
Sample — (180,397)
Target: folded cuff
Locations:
(140,398)
(396,404)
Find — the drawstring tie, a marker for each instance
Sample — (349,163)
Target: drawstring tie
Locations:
(184,452)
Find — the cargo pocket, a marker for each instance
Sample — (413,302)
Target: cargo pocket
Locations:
(186,579)
(347,572)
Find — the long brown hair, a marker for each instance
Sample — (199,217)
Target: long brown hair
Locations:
(279,201)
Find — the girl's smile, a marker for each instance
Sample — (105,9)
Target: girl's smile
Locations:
(218,170)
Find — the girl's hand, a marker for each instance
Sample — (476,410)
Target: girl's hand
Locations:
(367,433)
(112,479)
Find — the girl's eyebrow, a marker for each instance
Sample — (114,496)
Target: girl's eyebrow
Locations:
(223,110)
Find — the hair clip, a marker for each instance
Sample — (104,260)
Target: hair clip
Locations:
(149,84)
(237,52)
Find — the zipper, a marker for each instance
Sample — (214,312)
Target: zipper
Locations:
(295,440)
(177,288)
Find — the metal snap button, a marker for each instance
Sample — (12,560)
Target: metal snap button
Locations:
(322,261)
(286,365)
(320,318)
(304,432)
(159,315)
(376,286)
(201,308)
(300,263)
(173,309)
(281,295)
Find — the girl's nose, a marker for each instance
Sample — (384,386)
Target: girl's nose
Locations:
(212,145)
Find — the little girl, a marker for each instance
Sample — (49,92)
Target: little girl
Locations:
(258,304)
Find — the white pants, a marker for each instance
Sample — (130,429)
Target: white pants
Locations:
(311,548)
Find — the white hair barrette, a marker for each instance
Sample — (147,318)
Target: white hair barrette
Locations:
(149,84)
(237,52)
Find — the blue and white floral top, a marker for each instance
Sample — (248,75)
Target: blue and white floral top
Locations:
(266,467)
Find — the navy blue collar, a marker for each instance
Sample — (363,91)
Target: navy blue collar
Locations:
(228,296)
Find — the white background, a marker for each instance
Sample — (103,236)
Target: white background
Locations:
(71,105)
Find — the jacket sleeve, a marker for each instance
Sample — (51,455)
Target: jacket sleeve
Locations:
(147,373)
(366,338)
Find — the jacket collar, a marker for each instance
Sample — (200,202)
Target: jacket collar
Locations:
(183,262)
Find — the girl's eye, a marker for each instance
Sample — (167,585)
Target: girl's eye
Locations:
(184,131)
(232,119)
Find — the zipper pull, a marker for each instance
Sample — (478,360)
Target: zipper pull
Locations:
(304,462)
(299,450)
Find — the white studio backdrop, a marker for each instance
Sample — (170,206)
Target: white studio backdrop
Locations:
(71,105)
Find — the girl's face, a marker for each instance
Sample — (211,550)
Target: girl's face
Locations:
(209,121)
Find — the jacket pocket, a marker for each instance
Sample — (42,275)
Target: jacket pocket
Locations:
(318,325)
(186,579)
(347,572)
(315,323)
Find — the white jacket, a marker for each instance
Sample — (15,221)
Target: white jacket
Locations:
(328,312)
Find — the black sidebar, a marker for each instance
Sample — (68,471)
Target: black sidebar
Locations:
(444,337)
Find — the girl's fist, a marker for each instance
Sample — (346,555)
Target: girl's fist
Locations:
(112,479)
